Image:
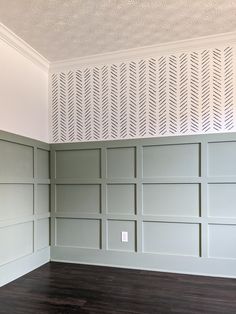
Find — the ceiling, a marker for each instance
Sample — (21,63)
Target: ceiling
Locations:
(66,29)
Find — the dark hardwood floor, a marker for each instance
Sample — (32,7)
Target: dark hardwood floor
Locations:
(69,288)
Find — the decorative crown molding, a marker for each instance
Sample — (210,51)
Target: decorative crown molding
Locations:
(23,48)
(30,53)
(141,52)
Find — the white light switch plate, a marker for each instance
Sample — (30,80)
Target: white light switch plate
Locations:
(124,236)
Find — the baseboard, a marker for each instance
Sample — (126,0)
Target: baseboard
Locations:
(214,267)
(22,266)
(155,262)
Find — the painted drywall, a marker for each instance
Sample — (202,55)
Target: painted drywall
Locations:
(23,95)
(170,194)
(24,205)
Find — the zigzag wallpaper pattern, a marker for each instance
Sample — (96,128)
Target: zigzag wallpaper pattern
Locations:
(185,93)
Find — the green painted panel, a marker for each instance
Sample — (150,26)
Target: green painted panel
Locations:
(16,241)
(78,232)
(171,160)
(167,180)
(42,233)
(221,160)
(121,198)
(43,160)
(222,200)
(43,199)
(171,199)
(20,194)
(16,200)
(78,198)
(115,227)
(222,239)
(171,238)
(121,162)
(16,160)
(78,164)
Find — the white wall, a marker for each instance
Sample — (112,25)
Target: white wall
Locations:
(23,95)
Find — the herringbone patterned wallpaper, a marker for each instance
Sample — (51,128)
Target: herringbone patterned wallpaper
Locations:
(185,93)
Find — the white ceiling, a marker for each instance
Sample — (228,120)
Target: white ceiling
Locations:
(65,29)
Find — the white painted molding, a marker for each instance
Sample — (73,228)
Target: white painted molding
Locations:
(142,52)
(124,55)
(23,48)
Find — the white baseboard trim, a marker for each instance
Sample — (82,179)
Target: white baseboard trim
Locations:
(22,266)
(214,267)
(153,262)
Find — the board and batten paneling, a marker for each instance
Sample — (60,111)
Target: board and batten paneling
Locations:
(175,197)
(24,205)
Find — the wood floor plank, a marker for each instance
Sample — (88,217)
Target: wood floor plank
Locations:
(70,288)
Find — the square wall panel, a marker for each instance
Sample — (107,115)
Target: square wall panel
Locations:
(42,233)
(171,199)
(121,162)
(221,159)
(16,200)
(171,161)
(81,164)
(121,198)
(222,241)
(43,199)
(115,228)
(43,164)
(83,233)
(16,241)
(222,200)
(16,161)
(84,198)
(171,238)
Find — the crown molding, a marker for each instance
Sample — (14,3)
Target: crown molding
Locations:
(30,53)
(23,48)
(141,52)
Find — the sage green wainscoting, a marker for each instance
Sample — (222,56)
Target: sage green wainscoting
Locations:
(24,205)
(175,196)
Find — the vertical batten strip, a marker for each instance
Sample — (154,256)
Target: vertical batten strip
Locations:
(53,196)
(204,199)
(139,199)
(103,199)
